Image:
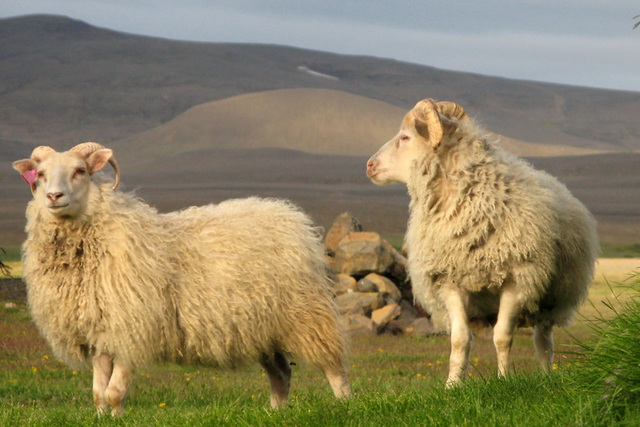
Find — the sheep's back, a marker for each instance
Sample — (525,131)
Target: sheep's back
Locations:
(252,267)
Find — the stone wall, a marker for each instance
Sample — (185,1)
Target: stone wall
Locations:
(370,281)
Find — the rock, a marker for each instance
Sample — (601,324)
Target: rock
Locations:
(394,327)
(366,285)
(399,266)
(421,326)
(344,224)
(343,284)
(359,302)
(358,323)
(361,253)
(384,315)
(409,313)
(381,284)
(10,305)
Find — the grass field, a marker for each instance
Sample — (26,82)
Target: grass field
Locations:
(396,380)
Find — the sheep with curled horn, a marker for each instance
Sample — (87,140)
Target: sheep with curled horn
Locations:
(489,237)
(244,280)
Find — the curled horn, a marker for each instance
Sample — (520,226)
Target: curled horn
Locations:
(451,109)
(428,122)
(87,148)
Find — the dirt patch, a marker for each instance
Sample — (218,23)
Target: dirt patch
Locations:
(13,290)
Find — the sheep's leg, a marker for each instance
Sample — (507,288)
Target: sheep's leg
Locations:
(508,312)
(461,338)
(118,387)
(102,368)
(339,381)
(279,373)
(543,339)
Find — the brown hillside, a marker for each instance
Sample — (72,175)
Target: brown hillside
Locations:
(312,120)
(317,121)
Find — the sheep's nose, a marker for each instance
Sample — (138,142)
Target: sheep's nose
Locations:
(54,196)
(371,164)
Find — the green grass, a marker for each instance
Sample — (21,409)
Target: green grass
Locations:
(618,250)
(10,253)
(396,380)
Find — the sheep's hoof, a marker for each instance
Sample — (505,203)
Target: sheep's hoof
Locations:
(452,383)
(117,412)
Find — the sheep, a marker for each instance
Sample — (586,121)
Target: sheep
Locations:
(114,285)
(489,238)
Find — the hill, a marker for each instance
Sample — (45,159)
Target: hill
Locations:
(62,81)
(320,121)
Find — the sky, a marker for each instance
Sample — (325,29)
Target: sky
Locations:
(578,42)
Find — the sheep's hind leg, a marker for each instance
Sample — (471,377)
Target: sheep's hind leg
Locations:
(508,312)
(102,369)
(543,339)
(118,387)
(337,377)
(279,373)
(461,338)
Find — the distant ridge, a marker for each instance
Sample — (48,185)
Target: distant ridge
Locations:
(64,81)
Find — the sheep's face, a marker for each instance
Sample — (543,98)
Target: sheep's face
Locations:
(393,161)
(62,184)
(61,181)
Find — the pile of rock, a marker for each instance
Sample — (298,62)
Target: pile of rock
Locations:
(370,281)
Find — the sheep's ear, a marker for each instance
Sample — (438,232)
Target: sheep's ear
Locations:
(98,159)
(27,169)
(427,122)
(24,165)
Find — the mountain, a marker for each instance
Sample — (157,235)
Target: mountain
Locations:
(63,81)
(193,123)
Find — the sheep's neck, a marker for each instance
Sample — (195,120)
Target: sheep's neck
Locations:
(431,188)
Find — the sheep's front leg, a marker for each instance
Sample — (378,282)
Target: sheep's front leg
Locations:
(461,337)
(508,313)
(118,387)
(279,373)
(102,368)
(543,339)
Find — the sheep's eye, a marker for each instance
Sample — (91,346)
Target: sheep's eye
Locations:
(402,138)
(79,172)
(40,175)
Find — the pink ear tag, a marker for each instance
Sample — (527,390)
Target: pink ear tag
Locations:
(30,176)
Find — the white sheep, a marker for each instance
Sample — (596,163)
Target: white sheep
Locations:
(113,283)
(489,237)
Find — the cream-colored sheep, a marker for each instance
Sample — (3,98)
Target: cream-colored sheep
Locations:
(489,237)
(114,284)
